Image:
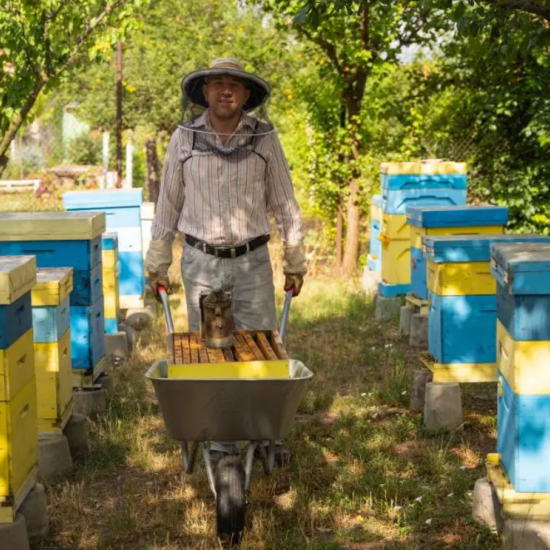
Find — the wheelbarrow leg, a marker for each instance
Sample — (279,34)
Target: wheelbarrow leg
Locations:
(268,458)
(208,466)
(189,459)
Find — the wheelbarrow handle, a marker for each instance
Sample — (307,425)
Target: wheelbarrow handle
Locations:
(286,312)
(166,306)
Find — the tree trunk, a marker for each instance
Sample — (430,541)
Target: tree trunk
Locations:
(153,172)
(352,233)
(339,237)
(16,122)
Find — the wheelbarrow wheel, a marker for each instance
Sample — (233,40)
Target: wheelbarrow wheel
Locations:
(230,500)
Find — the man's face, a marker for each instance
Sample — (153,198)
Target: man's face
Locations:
(226,95)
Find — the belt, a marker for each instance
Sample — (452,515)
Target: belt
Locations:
(224,251)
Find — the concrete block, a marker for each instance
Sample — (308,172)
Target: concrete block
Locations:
(370,281)
(418,337)
(524,534)
(486,507)
(76,432)
(35,511)
(13,536)
(443,407)
(140,319)
(418,389)
(405,316)
(90,400)
(106,382)
(130,335)
(117,345)
(54,458)
(387,308)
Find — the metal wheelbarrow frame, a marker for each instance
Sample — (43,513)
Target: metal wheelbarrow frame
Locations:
(197,411)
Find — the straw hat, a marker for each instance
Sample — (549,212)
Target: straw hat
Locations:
(193,83)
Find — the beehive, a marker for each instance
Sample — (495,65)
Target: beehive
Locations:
(111,272)
(18,421)
(65,240)
(52,348)
(375,249)
(123,214)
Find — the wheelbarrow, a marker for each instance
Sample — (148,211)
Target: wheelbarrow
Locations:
(256,411)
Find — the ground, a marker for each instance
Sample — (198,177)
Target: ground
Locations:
(363,475)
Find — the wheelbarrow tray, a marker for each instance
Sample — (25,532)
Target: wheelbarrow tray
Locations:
(227,409)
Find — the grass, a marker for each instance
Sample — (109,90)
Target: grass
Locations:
(364,475)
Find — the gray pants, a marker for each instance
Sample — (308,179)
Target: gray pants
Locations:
(250,280)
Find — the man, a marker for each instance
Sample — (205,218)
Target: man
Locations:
(224,172)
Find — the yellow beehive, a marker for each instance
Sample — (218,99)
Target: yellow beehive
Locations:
(18,444)
(524,364)
(111,295)
(395,261)
(418,232)
(460,279)
(16,366)
(425,167)
(47,226)
(52,360)
(395,226)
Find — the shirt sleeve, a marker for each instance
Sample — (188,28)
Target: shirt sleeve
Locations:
(280,194)
(172,193)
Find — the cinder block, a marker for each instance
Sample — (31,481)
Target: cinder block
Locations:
(54,457)
(420,378)
(35,511)
(13,536)
(387,308)
(117,345)
(443,407)
(418,337)
(90,401)
(405,316)
(524,534)
(486,507)
(76,432)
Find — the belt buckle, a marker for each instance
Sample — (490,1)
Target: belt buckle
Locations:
(233,253)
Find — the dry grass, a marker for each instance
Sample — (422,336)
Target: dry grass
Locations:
(363,474)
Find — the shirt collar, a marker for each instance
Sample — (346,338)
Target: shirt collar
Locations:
(204,122)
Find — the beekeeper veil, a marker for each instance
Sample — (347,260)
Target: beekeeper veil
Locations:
(255,121)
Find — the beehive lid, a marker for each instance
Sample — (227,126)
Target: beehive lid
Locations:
(17,277)
(457,216)
(53,286)
(51,226)
(148,211)
(109,241)
(119,198)
(424,167)
(470,248)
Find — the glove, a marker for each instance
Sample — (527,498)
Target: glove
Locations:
(159,256)
(157,280)
(294,281)
(294,266)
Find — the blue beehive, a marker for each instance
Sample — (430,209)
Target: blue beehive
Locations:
(463,302)
(453,220)
(65,240)
(122,209)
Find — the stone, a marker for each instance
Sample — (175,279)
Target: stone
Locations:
(387,308)
(405,316)
(76,432)
(443,407)
(54,458)
(418,389)
(107,382)
(418,337)
(117,345)
(525,534)
(35,511)
(486,507)
(90,400)
(140,319)
(13,536)
(370,281)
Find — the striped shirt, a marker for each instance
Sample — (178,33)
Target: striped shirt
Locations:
(224,199)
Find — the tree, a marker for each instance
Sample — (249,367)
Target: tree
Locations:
(355,37)
(171,39)
(43,40)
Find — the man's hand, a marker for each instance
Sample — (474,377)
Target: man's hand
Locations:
(294,281)
(157,280)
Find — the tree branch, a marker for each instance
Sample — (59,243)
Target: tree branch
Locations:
(327,47)
(527,6)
